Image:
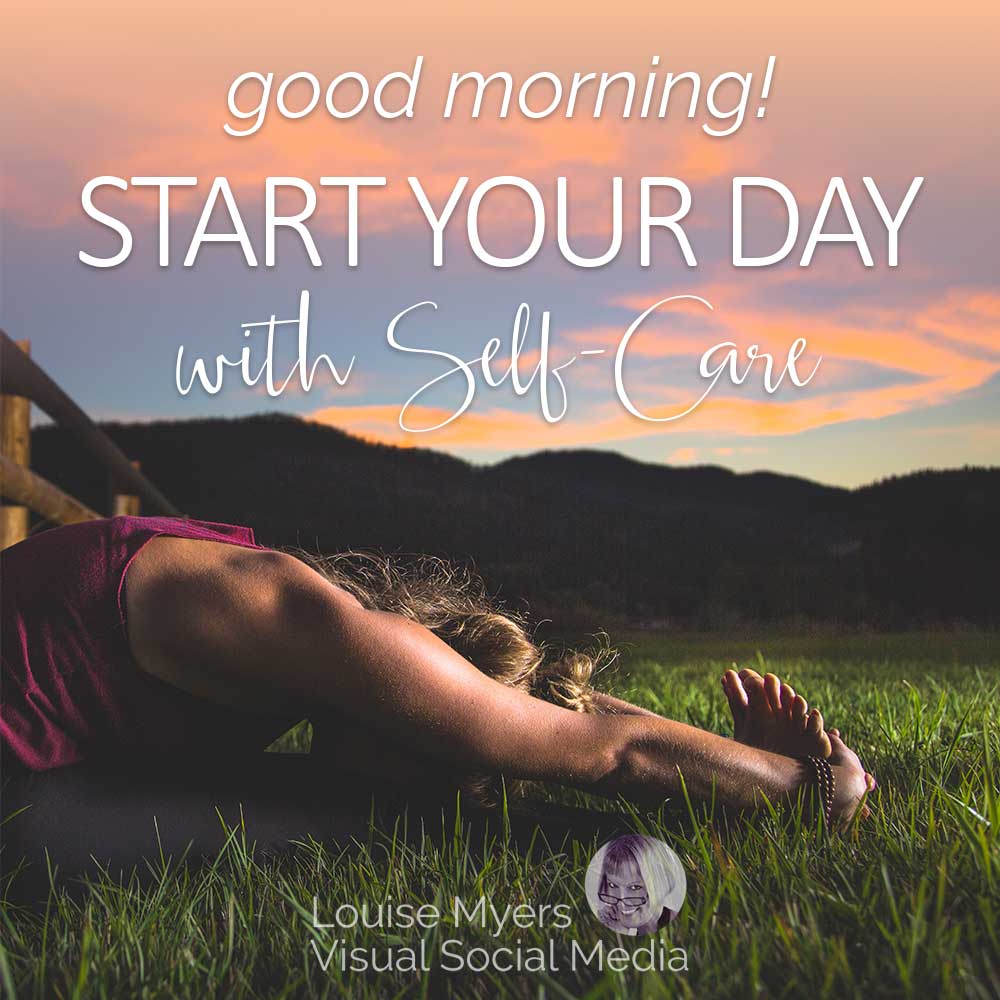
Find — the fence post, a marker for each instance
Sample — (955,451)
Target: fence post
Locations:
(15,443)
(125,503)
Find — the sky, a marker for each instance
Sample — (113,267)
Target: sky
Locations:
(909,375)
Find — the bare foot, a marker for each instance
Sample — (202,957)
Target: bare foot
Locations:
(840,753)
(853,782)
(769,715)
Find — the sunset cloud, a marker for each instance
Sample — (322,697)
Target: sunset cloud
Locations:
(936,371)
(129,91)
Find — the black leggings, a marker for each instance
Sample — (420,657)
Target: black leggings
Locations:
(75,819)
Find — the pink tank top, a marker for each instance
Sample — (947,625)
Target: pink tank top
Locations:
(72,690)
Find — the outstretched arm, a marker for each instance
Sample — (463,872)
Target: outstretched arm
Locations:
(608,704)
(262,630)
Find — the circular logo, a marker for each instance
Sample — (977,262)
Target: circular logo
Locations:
(635,884)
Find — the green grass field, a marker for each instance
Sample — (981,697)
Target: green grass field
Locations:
(905,904)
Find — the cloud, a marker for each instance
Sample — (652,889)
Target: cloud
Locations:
(932,369)
(52,159)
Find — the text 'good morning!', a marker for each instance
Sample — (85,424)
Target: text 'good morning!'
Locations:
(721,101)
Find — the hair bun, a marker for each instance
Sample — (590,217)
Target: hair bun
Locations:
(566,681)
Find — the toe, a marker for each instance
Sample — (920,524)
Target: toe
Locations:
(753,683)
(800,709)
(772,690)
(735,693)
(815,723)
(823,740)
(787,699)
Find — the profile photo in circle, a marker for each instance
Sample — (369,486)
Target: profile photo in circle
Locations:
(635,885)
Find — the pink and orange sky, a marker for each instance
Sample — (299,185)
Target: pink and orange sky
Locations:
(911,355)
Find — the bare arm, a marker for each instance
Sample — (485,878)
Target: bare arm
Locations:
(263,631)
(609,705)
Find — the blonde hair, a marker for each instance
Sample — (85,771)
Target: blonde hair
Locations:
(645,855)
(453,603)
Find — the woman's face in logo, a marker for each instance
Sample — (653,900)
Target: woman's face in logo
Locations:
(624,893)
(634,884)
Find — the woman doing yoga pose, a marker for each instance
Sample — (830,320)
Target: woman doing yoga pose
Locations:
(184,642)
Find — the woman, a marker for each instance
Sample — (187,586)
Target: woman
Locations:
(179,646)
(632,882)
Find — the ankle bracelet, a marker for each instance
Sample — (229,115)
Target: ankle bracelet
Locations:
(821,775)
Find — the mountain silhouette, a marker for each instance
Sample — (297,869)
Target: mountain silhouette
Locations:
(588,536)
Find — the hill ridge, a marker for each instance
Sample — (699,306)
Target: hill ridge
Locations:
(585,533)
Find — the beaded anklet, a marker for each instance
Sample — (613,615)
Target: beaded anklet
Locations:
(821,774)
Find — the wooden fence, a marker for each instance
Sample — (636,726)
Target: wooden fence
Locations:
(22,383)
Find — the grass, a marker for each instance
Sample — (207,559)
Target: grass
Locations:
(905,904)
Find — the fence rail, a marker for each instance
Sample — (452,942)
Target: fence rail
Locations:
(23,382)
